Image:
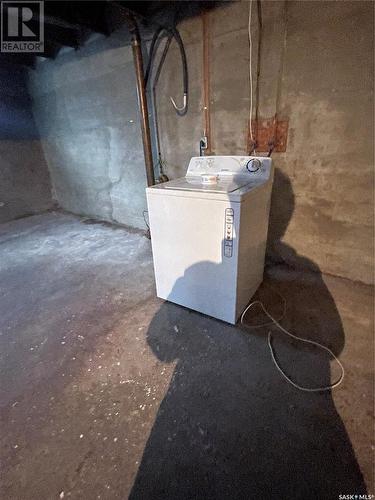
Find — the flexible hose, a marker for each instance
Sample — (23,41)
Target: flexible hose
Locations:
(151,55)
(185,77)
(161,62)
(180,43)
(311,342)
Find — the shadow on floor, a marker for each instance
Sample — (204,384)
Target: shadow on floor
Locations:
(230,426)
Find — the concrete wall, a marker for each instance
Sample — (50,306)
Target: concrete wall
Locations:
(24,180)
(85,104)
(316,70)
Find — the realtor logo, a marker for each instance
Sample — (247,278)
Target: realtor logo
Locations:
(22,26)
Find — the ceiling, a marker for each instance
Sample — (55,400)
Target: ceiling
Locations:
(70,23)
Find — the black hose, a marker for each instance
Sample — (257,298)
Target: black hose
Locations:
(161,62)
(180,44)
(151,55)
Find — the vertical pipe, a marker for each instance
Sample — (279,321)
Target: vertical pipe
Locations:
(259,58)
(142,102)
(206,82)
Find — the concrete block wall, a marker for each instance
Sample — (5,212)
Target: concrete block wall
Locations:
(316,70)
(25,186)
(85,104)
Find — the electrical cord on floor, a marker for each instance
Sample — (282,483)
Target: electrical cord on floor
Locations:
(311,342)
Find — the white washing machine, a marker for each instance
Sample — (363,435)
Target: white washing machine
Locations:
(209,233)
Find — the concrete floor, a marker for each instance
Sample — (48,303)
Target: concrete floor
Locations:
(108,392)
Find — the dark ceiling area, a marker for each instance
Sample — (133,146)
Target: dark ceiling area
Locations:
(70,23)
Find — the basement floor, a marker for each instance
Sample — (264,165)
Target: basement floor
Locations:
(108,392)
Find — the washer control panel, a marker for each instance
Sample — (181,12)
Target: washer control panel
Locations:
(258,167)
(228,232)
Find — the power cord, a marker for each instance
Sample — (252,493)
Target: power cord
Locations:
(311,342)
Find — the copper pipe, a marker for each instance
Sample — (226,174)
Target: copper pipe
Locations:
(142,100)
(206,82)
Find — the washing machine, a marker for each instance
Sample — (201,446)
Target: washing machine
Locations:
(209,233)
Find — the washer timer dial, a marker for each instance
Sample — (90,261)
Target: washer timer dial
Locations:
(253,165)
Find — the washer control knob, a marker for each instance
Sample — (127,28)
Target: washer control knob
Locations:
(253,165)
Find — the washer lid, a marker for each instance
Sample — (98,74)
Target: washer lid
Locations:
(223,184)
